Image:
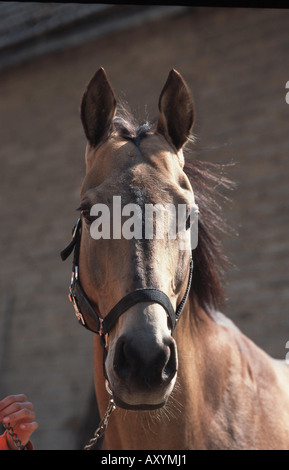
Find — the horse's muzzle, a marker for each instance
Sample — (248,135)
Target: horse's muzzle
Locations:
(143,374)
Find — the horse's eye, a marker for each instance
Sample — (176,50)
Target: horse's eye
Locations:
(86,216)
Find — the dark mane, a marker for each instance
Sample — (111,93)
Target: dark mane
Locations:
(210,262)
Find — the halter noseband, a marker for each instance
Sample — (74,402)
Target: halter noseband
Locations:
(86,313)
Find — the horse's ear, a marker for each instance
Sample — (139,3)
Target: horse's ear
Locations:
(176,110)
(98,108)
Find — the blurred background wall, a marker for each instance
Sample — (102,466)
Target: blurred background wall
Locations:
(236,63)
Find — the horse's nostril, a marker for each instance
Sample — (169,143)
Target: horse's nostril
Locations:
(122,363)
(171,366)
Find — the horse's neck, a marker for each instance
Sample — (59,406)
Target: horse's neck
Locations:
(226,385)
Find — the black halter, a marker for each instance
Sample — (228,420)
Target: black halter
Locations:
(86,313)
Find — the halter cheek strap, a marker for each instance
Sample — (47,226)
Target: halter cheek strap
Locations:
(103,326)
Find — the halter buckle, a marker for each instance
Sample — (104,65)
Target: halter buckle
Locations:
(77,312)
(72,297)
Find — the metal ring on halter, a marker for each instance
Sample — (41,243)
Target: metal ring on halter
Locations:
(108,388)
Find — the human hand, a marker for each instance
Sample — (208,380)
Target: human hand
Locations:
(17,411)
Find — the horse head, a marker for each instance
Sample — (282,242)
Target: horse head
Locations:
(132,172)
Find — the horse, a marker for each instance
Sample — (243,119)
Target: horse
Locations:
(182,375)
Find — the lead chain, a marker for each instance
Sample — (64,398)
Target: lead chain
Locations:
(15,438)
(102,426)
